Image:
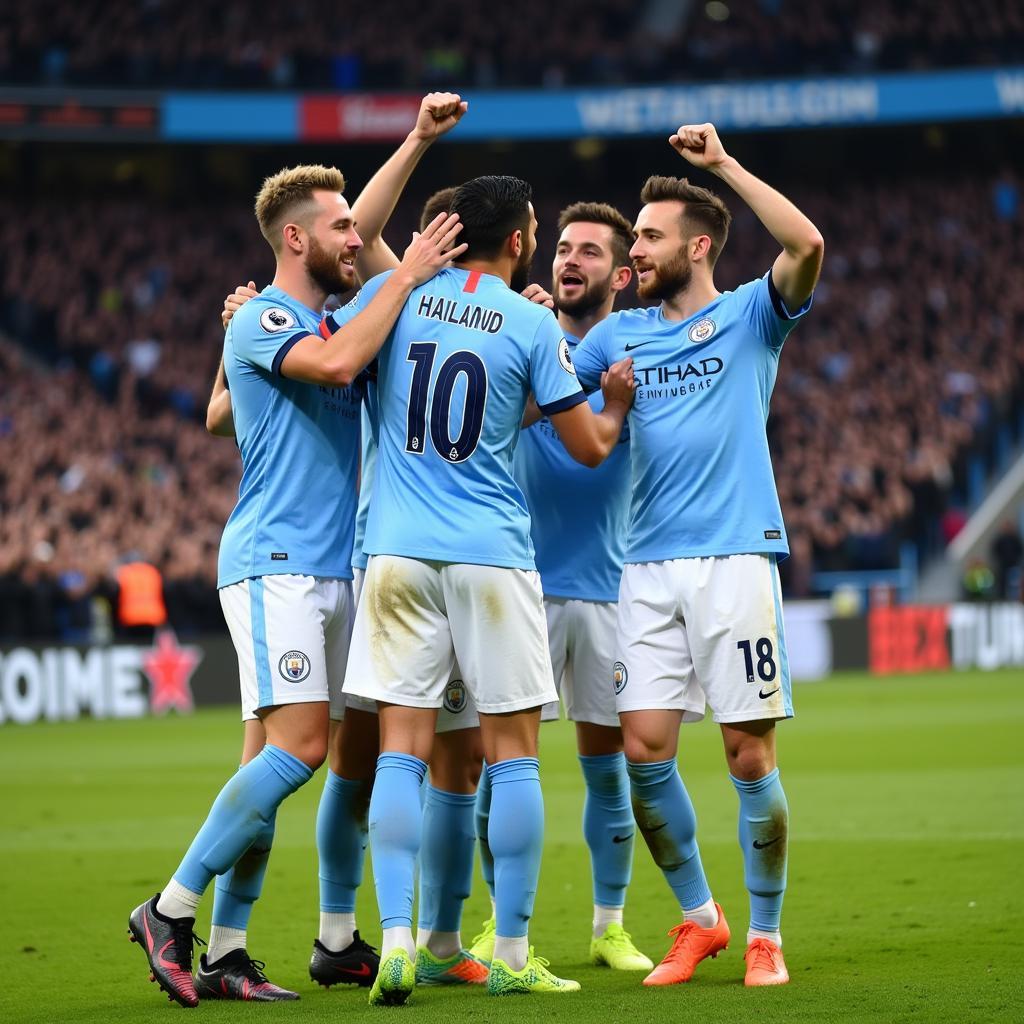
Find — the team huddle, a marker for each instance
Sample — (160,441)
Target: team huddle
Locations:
(466,502)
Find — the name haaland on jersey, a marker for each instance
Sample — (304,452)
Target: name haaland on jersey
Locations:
(452,381)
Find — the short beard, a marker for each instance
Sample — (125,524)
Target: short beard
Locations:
(670,280)
(324,270)
(521,274)
(592,299)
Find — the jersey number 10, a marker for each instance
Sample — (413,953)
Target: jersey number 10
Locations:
(423,354)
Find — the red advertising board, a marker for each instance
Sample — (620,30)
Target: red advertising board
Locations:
(357,118)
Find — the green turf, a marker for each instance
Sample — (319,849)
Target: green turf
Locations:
(907,801)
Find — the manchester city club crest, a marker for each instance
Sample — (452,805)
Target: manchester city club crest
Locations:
(619,676)
(294,666)
(455,696)
(702,330)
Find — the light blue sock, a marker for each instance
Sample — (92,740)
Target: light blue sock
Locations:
(240,886)
(608,826)
(395,825)
(446,859)
(666,819)
(764,839)
(516,835)
(483,814)
(341,836)
(243,809)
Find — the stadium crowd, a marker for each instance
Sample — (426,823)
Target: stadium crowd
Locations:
(398,45)
(103,453)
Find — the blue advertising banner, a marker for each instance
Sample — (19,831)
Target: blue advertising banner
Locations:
(970,94)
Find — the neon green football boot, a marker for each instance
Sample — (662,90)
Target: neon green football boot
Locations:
(396,978)
(482,948)
(460,969)
(615,949)
(533,978)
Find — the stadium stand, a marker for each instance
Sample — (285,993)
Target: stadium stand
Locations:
(243,44)
(907,367)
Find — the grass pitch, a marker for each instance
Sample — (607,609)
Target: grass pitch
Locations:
(904,902)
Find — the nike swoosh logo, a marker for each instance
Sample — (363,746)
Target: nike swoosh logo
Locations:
(651,831)
(765,696)
(764,846)
(363,972)
(167,963)
(629,348)
(623,839)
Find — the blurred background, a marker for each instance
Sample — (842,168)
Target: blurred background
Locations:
(133,138)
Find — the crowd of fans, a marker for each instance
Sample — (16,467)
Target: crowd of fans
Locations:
(395,44)
(910,359)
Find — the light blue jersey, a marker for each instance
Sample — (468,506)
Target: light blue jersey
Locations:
(702,472)
(579,515)
(367,469)
(452,383)
(300,450)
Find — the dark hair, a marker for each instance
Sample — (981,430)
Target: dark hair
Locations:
(491,208)
(702,209)
(437,203)
(602,213)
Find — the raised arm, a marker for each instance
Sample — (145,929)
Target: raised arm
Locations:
(590,437)
(439,113)
(342,357)
(795,271)
(219,420)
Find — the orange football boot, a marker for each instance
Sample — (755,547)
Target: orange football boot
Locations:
(765,965)
(692,944)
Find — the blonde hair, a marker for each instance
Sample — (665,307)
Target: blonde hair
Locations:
(288,196)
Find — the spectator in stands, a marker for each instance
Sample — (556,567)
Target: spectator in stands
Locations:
(1007,557)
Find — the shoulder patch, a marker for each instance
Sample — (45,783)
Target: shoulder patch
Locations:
(565,357)
(276,319)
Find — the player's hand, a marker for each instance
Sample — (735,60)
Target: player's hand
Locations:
(433,250)
(236,300)
(700,145)
(439,112)
(618,384)
(536,294)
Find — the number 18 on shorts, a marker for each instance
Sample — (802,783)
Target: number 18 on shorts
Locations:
(698,632)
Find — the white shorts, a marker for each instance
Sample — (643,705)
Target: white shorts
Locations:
(415,618)
(581,641)
(457,708)
(291,634)
(696,631)
(581,638)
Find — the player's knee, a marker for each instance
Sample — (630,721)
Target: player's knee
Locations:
(750,761)
(311,751)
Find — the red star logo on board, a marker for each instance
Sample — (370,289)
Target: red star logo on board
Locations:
(169,667)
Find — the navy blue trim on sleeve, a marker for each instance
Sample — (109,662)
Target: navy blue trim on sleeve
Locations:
(286,347)
(569,402)
(779,305)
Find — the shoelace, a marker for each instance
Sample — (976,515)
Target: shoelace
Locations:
(680,933)
(254,971)
(184,939)
(764,955)
(619,938)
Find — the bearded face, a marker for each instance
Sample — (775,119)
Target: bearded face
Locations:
(521,273)
(580,296)
(331,271)
(658,281)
